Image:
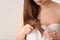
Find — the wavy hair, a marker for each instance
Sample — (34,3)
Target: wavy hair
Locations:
(31,10)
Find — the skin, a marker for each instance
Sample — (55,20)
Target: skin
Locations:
(49,14)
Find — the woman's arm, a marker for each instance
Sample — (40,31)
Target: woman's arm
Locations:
(22,30)
(19,35)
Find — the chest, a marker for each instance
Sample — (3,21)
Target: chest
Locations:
(49,16)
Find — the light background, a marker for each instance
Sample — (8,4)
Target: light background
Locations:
(9,16)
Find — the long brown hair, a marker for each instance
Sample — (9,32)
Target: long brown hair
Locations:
(31,10)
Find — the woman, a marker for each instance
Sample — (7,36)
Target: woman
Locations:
(39,15)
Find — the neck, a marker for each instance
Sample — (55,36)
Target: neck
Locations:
(46,4)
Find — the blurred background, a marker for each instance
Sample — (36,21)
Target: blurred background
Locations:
(9,17)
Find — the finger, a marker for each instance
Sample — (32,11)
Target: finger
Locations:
(45,32)
(28,31)
(29,26)
(50,38)
(52,32)
(32,28)
(54,36)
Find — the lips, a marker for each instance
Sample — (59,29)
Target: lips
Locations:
(39,1)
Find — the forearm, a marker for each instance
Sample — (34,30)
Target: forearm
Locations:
(20,36)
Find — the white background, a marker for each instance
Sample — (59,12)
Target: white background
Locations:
(9,16)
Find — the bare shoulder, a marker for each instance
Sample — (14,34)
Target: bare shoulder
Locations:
(58,8)
(55,6)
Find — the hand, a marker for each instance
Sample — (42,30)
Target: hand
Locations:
(23,31)
(26,29)
(51,35)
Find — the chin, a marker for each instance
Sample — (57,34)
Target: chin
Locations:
(39,3)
